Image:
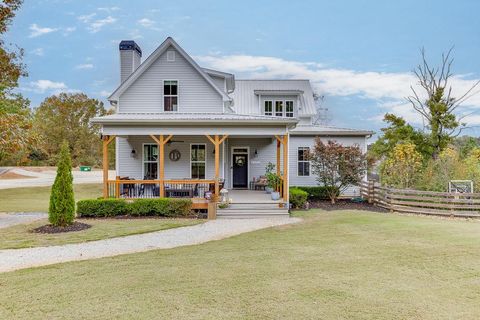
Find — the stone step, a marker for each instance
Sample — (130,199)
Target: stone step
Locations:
(251,215)
(254,206)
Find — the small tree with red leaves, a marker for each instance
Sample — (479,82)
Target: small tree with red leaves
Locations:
(337,167)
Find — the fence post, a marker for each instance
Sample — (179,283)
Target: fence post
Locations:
(370,190)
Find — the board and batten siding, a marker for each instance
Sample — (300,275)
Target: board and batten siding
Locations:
(129,166)
(309,141)
(266,152)
(195,94)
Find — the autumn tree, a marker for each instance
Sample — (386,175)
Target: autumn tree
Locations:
(67,117)
(436,104)
(15,116)
(337,167)
(401,168)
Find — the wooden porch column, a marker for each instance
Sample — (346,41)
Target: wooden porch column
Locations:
(217,141)
(285,168)
(161,141)
(278,157)
(106,142)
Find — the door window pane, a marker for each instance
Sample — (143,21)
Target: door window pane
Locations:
(198,161)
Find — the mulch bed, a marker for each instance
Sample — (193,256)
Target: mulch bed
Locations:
(76,226)
(345,204)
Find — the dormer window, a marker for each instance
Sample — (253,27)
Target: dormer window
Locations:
(289,108)
(170,95)
(279,108)
(268,108)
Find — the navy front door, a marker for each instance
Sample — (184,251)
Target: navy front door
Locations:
(240,170)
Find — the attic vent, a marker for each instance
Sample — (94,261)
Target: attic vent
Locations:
(170,55)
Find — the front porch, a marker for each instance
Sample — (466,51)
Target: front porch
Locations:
(176,169)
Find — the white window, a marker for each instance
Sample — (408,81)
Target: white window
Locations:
(289,108)
(303,162)
(198,154)
(150,161)
(170,95)
(279,108)
(268,108)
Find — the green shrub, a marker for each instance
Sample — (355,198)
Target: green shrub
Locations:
(164,207)
(61,210)
(317,192)
(102,208)
(298,197)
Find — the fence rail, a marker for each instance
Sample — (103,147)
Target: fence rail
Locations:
(139,189)
(422,202)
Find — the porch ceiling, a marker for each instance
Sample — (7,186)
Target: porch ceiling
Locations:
(127,130)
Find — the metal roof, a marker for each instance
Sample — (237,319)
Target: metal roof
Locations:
(327,130)
(187,118)
(245,97)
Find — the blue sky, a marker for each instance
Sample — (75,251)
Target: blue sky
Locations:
(358,54)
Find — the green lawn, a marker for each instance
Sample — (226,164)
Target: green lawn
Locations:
(36,198)
(335,265)
(19,236)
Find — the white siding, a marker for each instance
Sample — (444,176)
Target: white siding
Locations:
(146,93)
(219,82)
(132,167)
(266,152)
(309,141)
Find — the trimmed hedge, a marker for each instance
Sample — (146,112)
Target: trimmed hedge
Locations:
(317,192)
(298,197)
(163,207)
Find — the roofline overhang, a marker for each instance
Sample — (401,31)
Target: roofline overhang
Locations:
(362,133)
(192,121)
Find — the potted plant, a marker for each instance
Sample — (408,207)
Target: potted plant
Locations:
(273,181)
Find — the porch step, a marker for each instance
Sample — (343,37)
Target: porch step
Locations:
(252,210)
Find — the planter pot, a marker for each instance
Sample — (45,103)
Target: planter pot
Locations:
(275,195)
(268,189)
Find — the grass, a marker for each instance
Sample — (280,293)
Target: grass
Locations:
(35,199)
(335,265)
(19,236)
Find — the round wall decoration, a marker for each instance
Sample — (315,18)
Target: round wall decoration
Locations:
(174,155)
(240,162)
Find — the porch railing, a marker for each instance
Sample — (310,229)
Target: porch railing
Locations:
(138,189)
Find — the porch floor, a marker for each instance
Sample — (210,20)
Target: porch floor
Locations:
(251,196)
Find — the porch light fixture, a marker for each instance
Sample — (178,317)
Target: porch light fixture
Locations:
(133,154)
(256,153)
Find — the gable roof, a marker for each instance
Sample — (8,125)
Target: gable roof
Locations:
(152,58)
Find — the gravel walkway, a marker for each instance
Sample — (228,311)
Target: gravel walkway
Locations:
(14,259)
(11,219)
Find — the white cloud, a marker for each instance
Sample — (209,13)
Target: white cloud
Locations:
(145,22)
(48,87)
(97,25)
(84,66)
(38,52)
(104,93)
(108,9)
(135,34)
(37,31)
(68,30)
(86,18)
(387,89)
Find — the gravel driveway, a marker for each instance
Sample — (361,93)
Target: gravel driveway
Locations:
(14,259)
(11,219)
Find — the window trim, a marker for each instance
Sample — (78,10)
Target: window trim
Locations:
(171,95)
(305,161)
(293,109)
(275,108)
(143,159)
(264,107)
(205,161)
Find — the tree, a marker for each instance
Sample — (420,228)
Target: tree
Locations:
(61,211)
(337,167)
(15,116)
(438,109)
(67,117)
(402,166)
(399,131)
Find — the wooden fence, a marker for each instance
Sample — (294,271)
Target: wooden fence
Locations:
(422,202)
